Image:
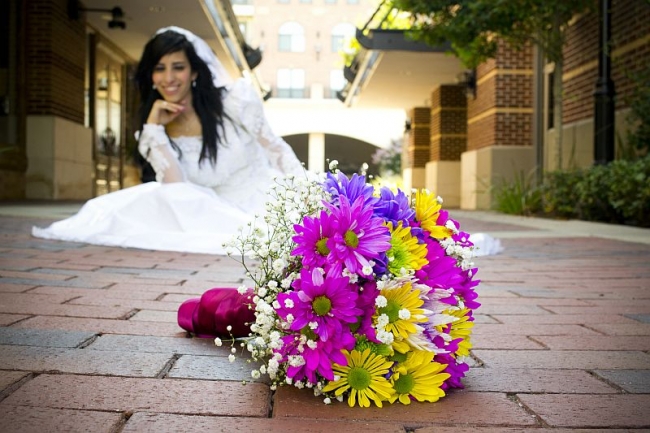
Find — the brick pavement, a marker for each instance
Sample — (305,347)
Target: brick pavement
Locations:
(88,341)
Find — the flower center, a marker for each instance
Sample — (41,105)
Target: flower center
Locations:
(391,310)
(351,239)
(404,384)
(321,247)
(359,378)
(321,305)
(399,255)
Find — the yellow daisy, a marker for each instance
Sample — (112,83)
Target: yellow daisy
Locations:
(427,211)
(405,252)
(364,378)
(460,328)
(418,377)
(403,311)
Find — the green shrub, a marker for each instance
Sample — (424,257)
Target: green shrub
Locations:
(559,197)
(593,197)
(517,197)
(629,190)
(618,192)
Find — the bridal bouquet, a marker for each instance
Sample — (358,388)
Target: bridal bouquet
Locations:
(358,294)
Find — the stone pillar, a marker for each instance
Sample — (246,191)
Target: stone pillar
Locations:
(316,152)
(447,142)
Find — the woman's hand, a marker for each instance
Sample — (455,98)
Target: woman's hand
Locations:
(162,112)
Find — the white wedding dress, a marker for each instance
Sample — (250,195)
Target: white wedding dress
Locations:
(192,207)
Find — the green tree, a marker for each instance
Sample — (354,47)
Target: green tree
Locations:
(474,27)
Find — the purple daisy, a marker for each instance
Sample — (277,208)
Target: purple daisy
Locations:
(359,236)
(338,185)
(394,207)
(321,303)
(381,265)
(312,236)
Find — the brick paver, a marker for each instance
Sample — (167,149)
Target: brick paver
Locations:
(123,394)
(19,419)
(461,407)
(9,378)
(632,381)
(154,423)
(518,380)
(561,410)
(89,342)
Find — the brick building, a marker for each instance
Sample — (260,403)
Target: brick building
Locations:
(504,127)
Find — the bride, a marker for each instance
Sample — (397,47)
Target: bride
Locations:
(213,153)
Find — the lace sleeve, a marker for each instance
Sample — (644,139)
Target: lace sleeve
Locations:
(280,154)
(248,105)
(155,147)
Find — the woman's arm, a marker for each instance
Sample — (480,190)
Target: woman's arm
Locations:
(280,155)
(155,147)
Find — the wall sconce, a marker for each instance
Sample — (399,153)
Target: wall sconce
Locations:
(102,84)
(469,80)
(252,55)
(105,77)
(117,14)
(318,48)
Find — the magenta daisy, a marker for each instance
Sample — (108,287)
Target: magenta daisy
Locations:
(366,302)
(311,356)
(359,236)
(441,270)
(323,304)
(311,239)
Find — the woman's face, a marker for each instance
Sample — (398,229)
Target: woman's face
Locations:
(173,77)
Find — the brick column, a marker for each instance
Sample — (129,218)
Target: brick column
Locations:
(55,61)
(448,123)
(59,146)
(416,148)
(499,126)
(447,142)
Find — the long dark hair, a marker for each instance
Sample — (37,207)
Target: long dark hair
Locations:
(206,98)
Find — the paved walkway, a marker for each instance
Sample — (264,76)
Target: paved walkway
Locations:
(89,341)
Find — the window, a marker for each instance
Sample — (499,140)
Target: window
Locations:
(353,2)
(340,33)
(330,2)
(337,81)
(291,83)
(305,1)
(291,38)
(283,1)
